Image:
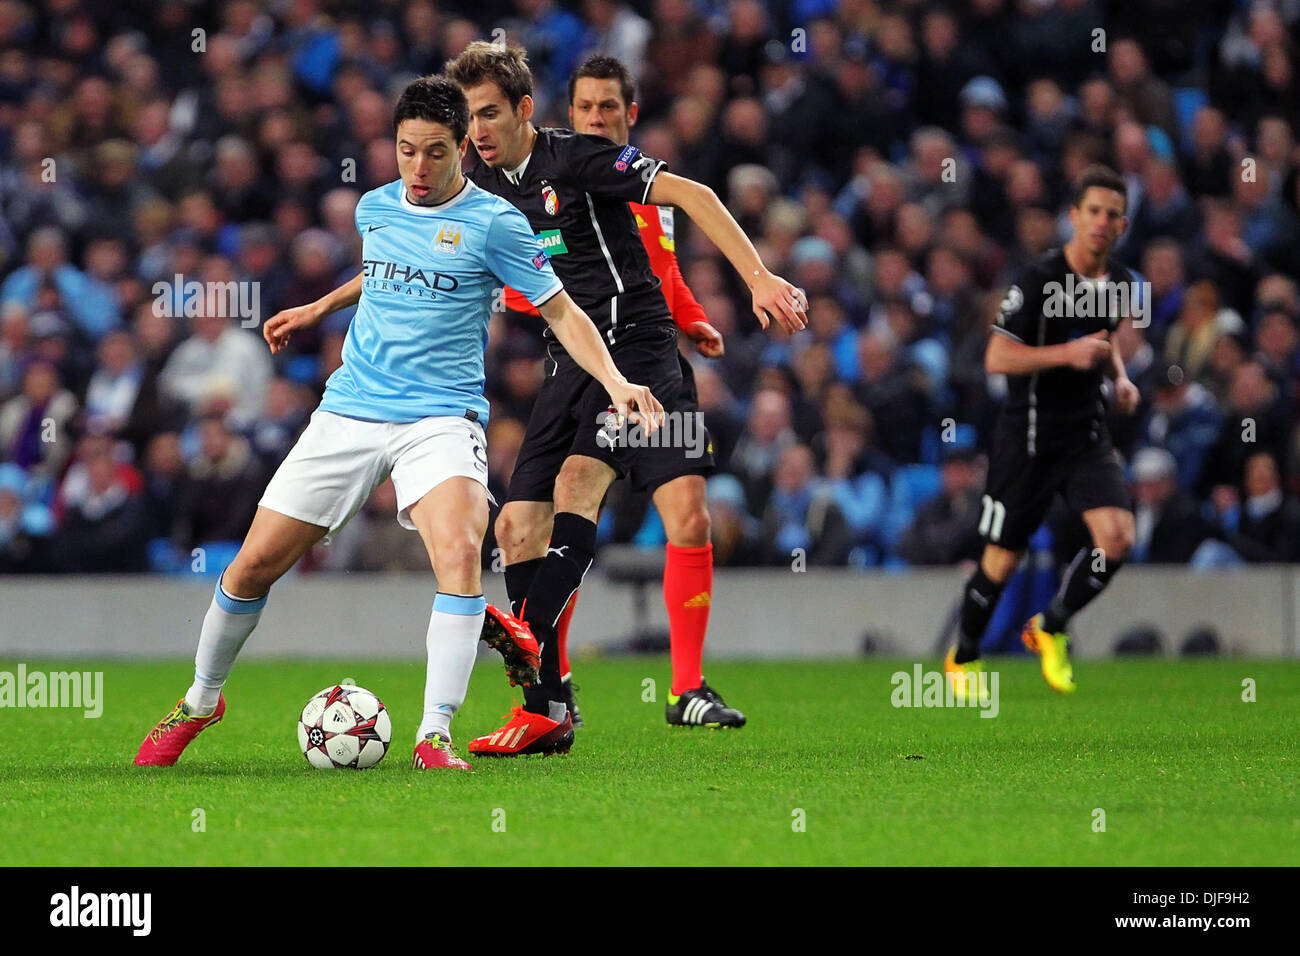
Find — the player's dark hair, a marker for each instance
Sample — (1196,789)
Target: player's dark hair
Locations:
(435,99)
(1101,177)
(506,66)
(601,67)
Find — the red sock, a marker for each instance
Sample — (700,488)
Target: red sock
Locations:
(562,635)
(688,592)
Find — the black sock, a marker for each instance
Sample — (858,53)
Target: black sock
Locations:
(977,606)
(569,555)
(519,578)
(1083,581)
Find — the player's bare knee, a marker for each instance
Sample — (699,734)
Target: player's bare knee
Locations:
(456,557)
(504,528)
(580,487)
(999,563)
(250,575)
(517,532)
(511,528)
(689,528)
(1116,544)
(1112,535)
(998,573)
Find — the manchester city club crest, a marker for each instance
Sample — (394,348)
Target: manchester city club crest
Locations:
(551,201)
(447,241)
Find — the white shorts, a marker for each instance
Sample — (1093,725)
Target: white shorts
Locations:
(338,461)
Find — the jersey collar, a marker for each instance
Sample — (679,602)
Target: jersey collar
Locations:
(438,209)
(516,175)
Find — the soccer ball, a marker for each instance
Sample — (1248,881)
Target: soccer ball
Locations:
(344,726)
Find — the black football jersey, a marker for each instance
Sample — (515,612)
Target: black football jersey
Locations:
(1049,304)
(574,190)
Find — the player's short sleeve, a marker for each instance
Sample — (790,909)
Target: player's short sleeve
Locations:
(603,168)
(515,256)
(1134,299)
(361,214)
(1021,304)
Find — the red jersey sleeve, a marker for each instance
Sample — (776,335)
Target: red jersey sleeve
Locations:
(516,302)
(655,225)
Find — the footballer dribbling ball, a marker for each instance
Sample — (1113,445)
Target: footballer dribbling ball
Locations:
(344,726)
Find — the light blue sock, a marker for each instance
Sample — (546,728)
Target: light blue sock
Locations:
(452,645)
(226,627)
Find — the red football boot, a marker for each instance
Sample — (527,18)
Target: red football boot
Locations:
(434,752)
(514,641)
(169,738)
(526,733)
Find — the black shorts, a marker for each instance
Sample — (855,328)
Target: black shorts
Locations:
(1087,474)
(571,406)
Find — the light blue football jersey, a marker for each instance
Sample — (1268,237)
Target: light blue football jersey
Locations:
(415,346)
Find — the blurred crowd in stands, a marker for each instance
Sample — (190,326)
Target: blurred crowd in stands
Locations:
(898,159)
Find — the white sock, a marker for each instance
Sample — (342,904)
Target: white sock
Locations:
(226,627)
(452,645)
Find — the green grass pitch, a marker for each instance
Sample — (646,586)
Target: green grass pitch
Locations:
(1186,772)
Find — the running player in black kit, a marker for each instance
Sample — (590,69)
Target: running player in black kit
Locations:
(1051,437)
(575,190)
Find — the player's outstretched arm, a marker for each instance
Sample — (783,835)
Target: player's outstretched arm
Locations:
(1005,356)
(688,314)
(279,327)
(773,296)
(581,339)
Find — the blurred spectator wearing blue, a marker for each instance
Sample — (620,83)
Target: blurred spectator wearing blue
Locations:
(1255,419)
(163,470)
(24,525)
(1278,339)
(945,528)
(312,43)
(857,473)
(894,393)
(1260,526)
(828,325)
(1165,210)
(90,303)
(768,434)
(734,531)
(802,520)
(115,385)
(1268,227)
(554,39)
(615,29)
(1185,421)
(1163,267)
(285,414)
(1168,524)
